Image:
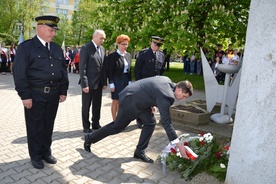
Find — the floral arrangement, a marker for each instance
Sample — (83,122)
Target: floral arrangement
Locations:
(210,156)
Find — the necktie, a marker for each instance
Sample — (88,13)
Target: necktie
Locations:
(99,51)
(47,46)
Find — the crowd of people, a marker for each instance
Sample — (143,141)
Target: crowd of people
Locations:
(7,58)
(72,57)
(193,63)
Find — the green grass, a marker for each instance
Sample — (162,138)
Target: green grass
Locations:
(176,74)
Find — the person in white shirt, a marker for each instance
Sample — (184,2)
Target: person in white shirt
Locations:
(225,57)
(235,57)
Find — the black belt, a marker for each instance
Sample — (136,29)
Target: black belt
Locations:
(46,89)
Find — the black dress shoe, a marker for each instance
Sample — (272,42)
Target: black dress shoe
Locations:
(37,164)
(96,127)
(143,157)
(50,159)
(87,130)
(86,144)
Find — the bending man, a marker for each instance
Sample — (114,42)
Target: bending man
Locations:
(135,101)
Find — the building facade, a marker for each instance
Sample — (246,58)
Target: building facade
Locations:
(62,7)
(58,8)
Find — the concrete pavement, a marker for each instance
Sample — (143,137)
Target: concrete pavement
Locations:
(111,160)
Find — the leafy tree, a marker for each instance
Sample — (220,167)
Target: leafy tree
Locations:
(8,11)
(18,12)
(185,25)
(64,30)
(86,20)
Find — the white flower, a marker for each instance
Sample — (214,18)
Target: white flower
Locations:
(208,137)
(222,166)
(201,139)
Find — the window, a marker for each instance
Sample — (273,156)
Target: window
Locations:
(62,2)
(61,11)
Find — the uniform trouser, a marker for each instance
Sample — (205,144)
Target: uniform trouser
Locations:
(40,123)
(128,112)
(93,97)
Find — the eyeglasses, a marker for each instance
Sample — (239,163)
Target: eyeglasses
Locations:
(157,44)
(124,44)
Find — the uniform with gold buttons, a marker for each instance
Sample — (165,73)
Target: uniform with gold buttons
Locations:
(41,81)
(151,61)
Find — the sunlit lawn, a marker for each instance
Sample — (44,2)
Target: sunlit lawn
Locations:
(176,74)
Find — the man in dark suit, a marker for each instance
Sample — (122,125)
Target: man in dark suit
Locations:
(92,79)
(41,81)
(150,62)
(137,100)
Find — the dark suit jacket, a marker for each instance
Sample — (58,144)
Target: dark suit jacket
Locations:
(152,91)
(116,66)
(91,65)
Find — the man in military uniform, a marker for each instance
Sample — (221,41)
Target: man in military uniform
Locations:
(41,81)
(150,62)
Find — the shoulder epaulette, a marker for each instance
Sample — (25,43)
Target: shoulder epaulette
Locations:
(143,50)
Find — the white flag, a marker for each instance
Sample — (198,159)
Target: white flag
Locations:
(63,47)
(21,38)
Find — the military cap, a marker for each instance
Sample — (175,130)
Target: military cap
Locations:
(157,39)
(48,20)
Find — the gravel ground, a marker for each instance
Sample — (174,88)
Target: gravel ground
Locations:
(204,178)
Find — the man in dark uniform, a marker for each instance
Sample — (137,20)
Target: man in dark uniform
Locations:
(41,81)
(136,101)
(150,62)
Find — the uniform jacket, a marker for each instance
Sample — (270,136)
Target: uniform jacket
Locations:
(92,72)
(153,91)
(116,66)
(145,65)
(35,66)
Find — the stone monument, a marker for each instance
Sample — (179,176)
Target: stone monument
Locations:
(252,157)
